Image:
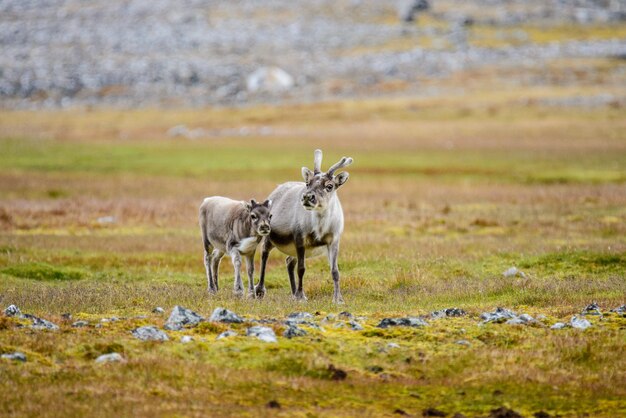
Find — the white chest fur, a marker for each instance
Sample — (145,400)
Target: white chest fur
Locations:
(247,245)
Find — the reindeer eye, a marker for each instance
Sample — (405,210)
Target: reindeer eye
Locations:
(253,216)
(329,187)
(270,216)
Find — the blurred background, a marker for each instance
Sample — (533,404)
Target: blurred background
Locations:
(137,53)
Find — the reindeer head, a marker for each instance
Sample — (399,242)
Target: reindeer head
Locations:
(259,216)
(321,187)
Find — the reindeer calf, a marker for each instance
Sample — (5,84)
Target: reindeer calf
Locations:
(234,228)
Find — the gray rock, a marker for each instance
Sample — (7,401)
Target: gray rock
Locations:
(111,319)
(523,319)
(158,310)
(79,324)
(226,334)
(269,79)
(224,315)
(186,339)
(345,315)
(559,325)
(499,315)
(404,322)
(592,309)
(262,333)
(40,323)
(513,272)
(107,220)
(355,326)
(180,317)
(16,356)
(149,333)
(13,310)
(110,358)
(463,342)
(620,310)
(393,345)
(294,331)
(448,312)
(299,317)
(579,323)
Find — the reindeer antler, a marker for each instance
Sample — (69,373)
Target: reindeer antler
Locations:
(317,161)
(344,162)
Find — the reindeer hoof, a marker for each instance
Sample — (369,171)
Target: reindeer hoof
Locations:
(259,291)
(212,291)
(238,293)
(300,296)
(251,294)
(338,300)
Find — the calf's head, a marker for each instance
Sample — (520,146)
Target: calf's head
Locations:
(321,187)
(259,216)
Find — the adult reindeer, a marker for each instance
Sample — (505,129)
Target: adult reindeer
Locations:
(307,222)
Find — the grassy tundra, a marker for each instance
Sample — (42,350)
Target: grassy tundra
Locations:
(443,197)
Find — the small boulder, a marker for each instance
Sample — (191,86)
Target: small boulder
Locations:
(513,272)
(448,312)
(579,323)
(110,358)
(80,324)
(262,333)
(186,339)
(345,315)
(299,317)
(463,342)
(355,326)
(269,79)
(499,315)
(592,309)
(158,310)
(224,315)
(404,322)
(621,310)
(523,319)
(226,334)
(149,333)
(559,325)
(180,317)
(40,323)
(13,310)
(393,345)
(294,331)
(16,356)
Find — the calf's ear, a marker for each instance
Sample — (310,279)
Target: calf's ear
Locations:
(247,205)
(341,178)
(307,175)
(267,203)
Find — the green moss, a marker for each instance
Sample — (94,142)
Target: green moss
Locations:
(44,272)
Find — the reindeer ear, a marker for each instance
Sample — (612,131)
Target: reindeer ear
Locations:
(307,174)
(341,178)
(254,203)
(247,205)
(267,203)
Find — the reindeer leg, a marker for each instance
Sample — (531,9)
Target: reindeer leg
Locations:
(238,286)
(300,292)
(250,268)
(215,266)
(209,274)
(259,290)
(333,254)
(291,268)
